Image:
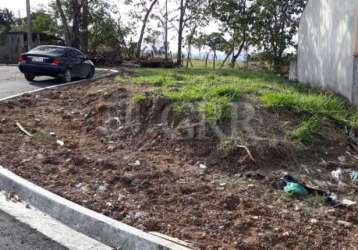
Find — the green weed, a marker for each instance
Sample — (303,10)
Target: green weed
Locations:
(215,109)
(139,98)
(307,130)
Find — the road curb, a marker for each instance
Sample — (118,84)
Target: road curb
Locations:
(86,221)
(111,73)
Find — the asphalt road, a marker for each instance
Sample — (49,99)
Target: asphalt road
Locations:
(17,236)
(12,81)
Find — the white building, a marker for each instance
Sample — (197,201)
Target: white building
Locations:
(328,46)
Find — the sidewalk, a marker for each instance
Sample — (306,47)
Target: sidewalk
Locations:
(15,235)
(23,227)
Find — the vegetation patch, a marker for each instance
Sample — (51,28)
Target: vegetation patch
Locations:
(215,90)
(306,131)
(139,98)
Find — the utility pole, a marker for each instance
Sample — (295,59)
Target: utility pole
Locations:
(29,25)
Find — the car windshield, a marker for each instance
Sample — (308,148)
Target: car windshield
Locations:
(48,50)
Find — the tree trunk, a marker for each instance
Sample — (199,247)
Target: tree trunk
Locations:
(236,56)
(247,58)
(190,40)
(144,24)
(180,31)
(64,23)
(76,8)
(188,58)
(166,31)
(206,60)
(84,26)
(214,61)
(226,58)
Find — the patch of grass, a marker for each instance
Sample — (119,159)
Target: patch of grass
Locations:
(307,130)
(314,104)
(214,90)
(139,98)
(353,119)
(215,109)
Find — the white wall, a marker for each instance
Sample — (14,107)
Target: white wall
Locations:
(327,43)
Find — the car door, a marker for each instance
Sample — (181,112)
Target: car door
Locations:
(84,68)
(75,63)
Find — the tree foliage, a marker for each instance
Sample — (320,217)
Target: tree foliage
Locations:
(88,24)
(275,25)
(237,19)
(7,19)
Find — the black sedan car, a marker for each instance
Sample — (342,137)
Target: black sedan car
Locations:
(64,63)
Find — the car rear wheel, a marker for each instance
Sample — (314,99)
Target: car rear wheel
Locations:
(66,77)
(91,73)
(29,77)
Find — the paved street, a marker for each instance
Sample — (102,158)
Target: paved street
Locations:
(17,236)
(12,81)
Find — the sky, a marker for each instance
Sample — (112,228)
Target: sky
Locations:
(19,6)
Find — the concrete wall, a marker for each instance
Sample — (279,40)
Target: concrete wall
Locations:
(327,44)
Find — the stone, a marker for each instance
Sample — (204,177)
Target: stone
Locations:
(313,221)
(342,158)
(102,131)
(40,156)
(102,188)
(344,223)
(203,166)
(134,164)
(348,203)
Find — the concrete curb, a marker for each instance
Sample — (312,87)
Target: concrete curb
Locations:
(86,221)
(111,73)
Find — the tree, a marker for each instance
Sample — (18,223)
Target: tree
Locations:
(275,24)
(146,10)
(189,40)
(182,10)
(80,22)
(216,42)
(106,31)
(43,22)
(6,19)
(76,22)
(84,26)
(166,30)
(237,18)
(192,13)
(163,18)
(59,9)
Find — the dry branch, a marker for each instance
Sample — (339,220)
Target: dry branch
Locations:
(23,129)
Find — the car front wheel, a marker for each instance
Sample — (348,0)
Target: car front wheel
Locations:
(29,77)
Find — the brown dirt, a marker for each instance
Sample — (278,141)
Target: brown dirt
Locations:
(120,159)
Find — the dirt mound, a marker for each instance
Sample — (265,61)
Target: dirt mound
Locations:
(140,162)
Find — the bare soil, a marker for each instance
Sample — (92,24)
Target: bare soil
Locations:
(174,175)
